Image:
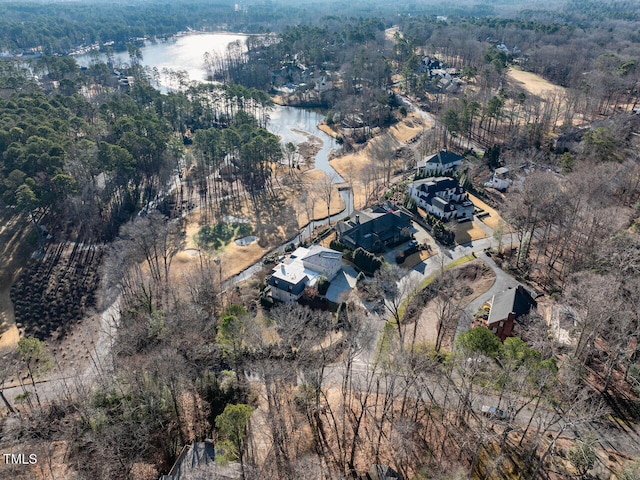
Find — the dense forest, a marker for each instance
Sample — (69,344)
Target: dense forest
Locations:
(100,171)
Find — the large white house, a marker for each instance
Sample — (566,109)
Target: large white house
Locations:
(439,163)
(442,197)
(303,269)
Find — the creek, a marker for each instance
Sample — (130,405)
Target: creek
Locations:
(186,53)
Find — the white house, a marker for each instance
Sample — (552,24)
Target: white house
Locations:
(303,269)
(441,162)
(499,179)
(442,197)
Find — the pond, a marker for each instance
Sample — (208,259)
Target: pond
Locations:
(186,53)
(179,53)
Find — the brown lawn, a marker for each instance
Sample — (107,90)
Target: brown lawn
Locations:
(478,277)
(274,221)
(391,31)
(328,130)
(467,232)
(532,83)
(409,128)
(493,219)
(538,86)
(309,201)
(415,258)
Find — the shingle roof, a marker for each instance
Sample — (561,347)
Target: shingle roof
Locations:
(197,461)
(516,300)
(444,157)
(364,229)
(383,472)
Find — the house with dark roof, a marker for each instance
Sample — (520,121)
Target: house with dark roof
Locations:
(303,269)
(382,472)
(505,308)
(197,461)
(439,163)
(442,197)
(375,229)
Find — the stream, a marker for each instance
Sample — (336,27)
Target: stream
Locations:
(186,53)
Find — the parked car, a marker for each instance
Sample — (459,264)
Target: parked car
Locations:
(493,412)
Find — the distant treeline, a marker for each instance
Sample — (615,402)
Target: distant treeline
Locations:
(60,27)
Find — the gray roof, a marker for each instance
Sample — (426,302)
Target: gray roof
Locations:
(516,300)
(444,157)
(436,184)
(441,204)
(370,228)
(383,472)
(197,462)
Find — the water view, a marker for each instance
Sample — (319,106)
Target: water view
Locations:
(181,53)
(186,53)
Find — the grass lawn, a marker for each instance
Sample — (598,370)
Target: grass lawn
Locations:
(532,83)
(219,235)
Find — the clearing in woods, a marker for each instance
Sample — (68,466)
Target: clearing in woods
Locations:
(534,84)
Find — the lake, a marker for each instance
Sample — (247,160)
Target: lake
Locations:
(180,53)
(187,53)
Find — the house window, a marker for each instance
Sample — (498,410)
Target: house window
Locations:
(501,324)
(494,330)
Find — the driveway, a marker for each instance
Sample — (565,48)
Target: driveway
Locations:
(342,284)
(503,282)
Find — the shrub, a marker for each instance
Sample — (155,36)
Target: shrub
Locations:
(266,302)
(442,234)
(323,285)
(367,262)
(218,235)
(339,246)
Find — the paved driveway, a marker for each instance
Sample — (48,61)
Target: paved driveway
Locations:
(342,284)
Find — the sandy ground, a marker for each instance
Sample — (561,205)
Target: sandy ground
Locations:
(426,332)
(532,83)
(409,128)
(9,339)
(493,219)
(274,225)
(328,130)
(14,253)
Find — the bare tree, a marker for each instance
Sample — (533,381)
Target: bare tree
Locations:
(383,153)
(326,191)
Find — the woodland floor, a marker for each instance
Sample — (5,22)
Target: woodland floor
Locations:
(15,247)
(475,275)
